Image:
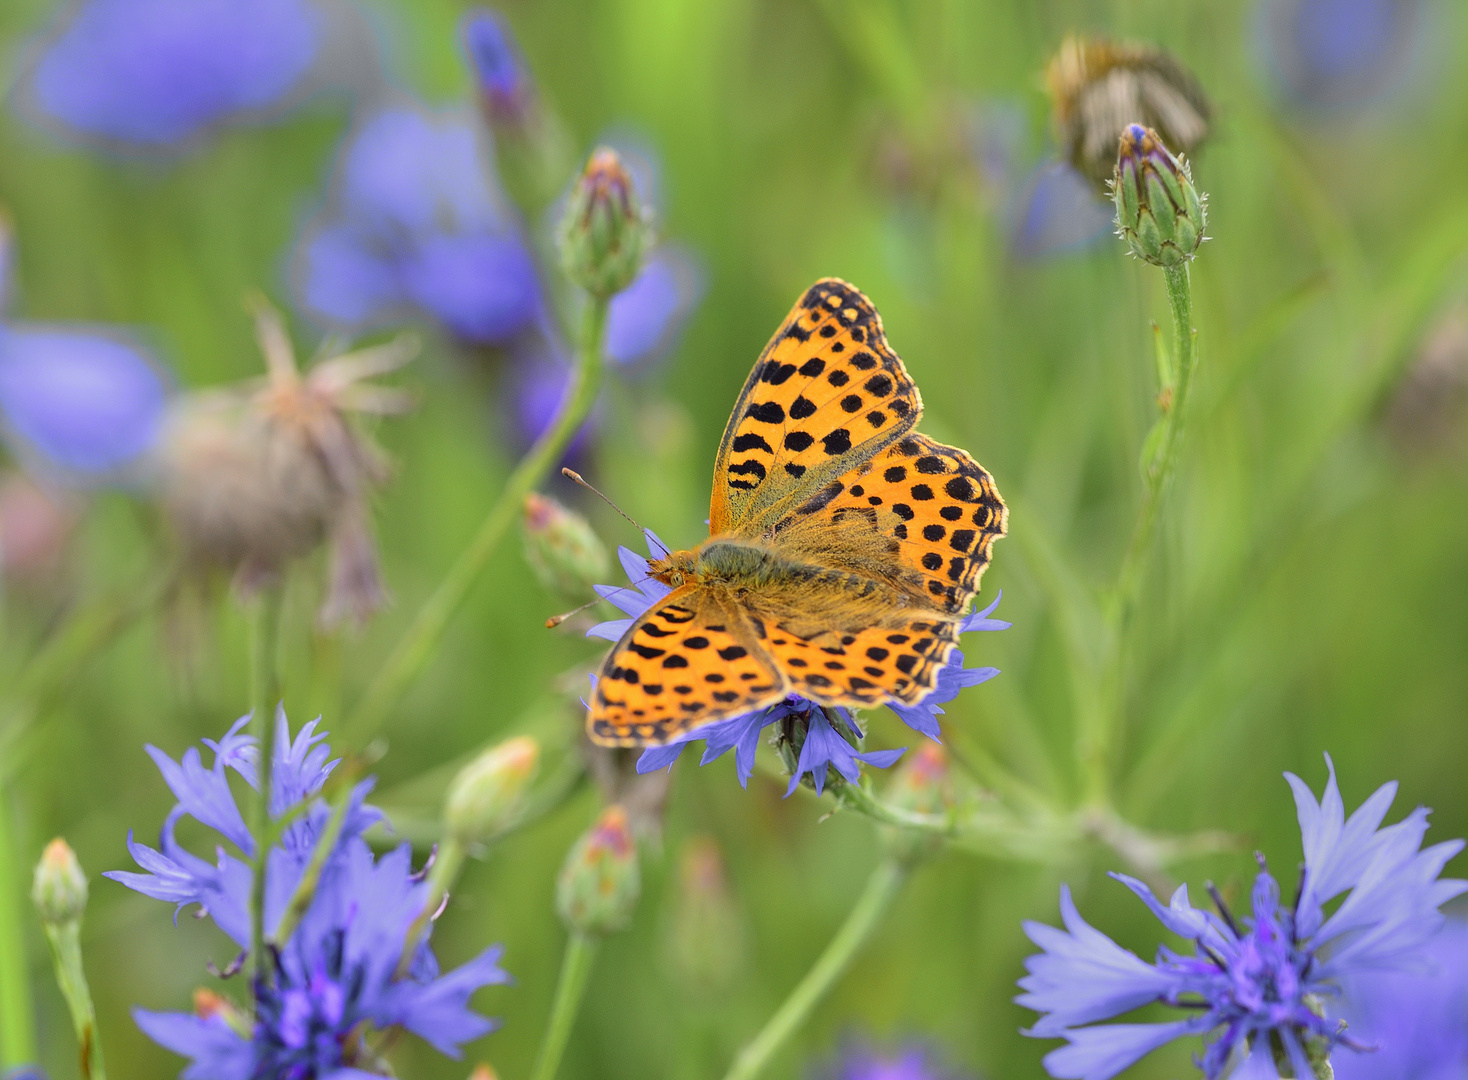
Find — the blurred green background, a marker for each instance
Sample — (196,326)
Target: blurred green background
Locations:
(1309,593)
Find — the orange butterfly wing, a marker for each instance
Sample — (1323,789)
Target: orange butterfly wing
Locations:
(826,391)
(685,662)
(866,667)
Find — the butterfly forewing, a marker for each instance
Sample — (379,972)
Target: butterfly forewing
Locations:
(826,392)
(687,661)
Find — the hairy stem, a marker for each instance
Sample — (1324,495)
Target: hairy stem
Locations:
(264,640)
(881,888)
(581,952)
(413,651)
(1095,743)
(66,954)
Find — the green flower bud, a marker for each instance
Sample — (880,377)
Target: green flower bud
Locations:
(600,880)
(208,1004)
(605,230)
(488,792)
(1158,211)
(561,548)
(59,889)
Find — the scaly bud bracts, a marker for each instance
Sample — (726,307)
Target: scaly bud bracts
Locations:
(562,549)
(59,889)
(1158,211)
(489,792)
(605,230)
(600,880)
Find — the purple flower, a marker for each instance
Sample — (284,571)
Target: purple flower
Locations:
(1339,55)
(1261,983)
(823,746)
(1417,1019)
(153,73)
(859,1061)
(417,225)
(336,977)
(84,401)
(1057,211)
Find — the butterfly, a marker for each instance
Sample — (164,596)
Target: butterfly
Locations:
(843,545)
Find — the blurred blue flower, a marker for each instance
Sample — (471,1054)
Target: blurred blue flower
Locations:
(824,746)
(417,225)
(336,975)
(859,1061)
(643,320)
(1338,55)
(81,400)
(153,73)
(1057,211)
(1266,980)
(494,56)
(1417,1020)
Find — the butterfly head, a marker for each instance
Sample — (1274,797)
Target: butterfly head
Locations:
(676,569)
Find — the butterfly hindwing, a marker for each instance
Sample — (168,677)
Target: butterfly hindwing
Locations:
(685,662)
(866,668)
(827,392)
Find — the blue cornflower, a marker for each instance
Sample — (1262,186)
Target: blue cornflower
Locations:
(859,1061)
(84,402)
(1263,983)
(334,980)
(418,225)
(1057,211)
(153,73)
(1340,55)
(824,746)
(1417,1020)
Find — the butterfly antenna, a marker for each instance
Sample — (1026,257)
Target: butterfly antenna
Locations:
(556,620)
(572,474)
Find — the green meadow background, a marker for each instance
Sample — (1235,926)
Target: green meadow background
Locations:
(1309,592)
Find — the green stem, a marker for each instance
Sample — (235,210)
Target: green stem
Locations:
(66,954)
(876,898)
(581,952)
(265,612)
(418,644)
(1098,729)
(17,1013)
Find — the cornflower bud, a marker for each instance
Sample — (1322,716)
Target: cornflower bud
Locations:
(207,1003)
(490,790)
(59,889)
(1158,211)
(561,547)
(605,229)
(483,1071)
(505,87)
(600,880)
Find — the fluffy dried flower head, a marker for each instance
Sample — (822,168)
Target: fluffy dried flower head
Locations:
(1097,87)
(255,476)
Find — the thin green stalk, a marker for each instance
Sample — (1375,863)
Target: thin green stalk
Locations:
(264,642)
(1097,735)
(418,644)
(66,953)
(581,952)
(17,1013)
(881,888)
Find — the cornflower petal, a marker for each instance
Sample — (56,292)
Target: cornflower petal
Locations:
(299,767)
(204,795)
(823,747)
(1082,975)
(1099,1053)
(1179,916)
(237,752)
(218,1053)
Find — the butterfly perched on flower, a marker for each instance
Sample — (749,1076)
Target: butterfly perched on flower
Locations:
(843,548)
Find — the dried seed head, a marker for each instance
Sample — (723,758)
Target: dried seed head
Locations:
(253,477)
(1098,87)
